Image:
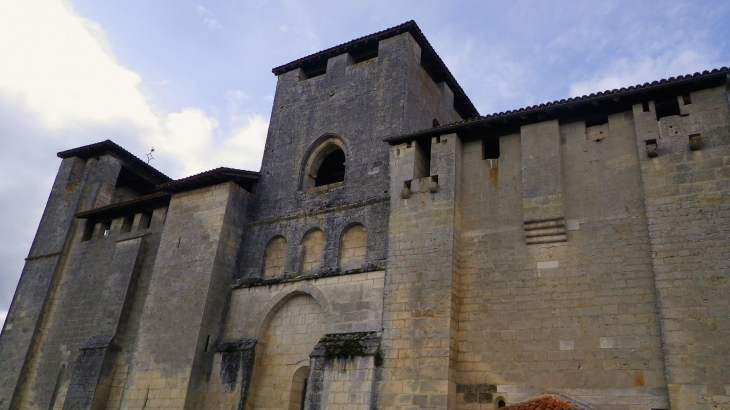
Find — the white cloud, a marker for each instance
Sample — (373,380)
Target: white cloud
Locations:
(624,72)
(212,23)
(60,66)
(209,21)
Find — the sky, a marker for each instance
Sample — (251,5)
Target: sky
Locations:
(193,78)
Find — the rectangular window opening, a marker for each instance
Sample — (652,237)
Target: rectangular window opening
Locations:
(88,230)
(207,343)
(364,53)
(313,69)
(596,121)
(105,229)
(645,106)
(423,158)
(686,100)
(666,107)
(490,148)
(145,221)
(127,223)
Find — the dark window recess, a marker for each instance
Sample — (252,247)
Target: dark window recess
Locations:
(596,121)
(686,100)
(666,107)
(314,69)
(207,343)
(105,229)
(304,393)
(645,106)
(88,231)
(501,404)
(423,154)
(127,224)
(145,220)
(59,378)
(490,148)
(332,169)
(365,52)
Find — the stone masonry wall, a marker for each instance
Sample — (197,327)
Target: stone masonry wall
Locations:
(184,307)
(578,317)
(688,211)
(72,290)
(422,281)
(361,103)
(349,303)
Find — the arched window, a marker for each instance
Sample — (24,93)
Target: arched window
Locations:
(325,163)
(299,388)
(275,257)
(312,247)
(332,169)
(353,247)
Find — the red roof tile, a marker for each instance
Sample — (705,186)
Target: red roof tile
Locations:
(547,402)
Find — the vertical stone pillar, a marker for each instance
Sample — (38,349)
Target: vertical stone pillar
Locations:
(187,296)
(687,199)
(76,188)
(93,371)
(237,360)
(342,372)
(421,283)
(542,183)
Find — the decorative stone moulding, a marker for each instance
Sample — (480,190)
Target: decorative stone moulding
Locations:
(695,142)
(405,193)
(348,345)
(651,146)
(545,230)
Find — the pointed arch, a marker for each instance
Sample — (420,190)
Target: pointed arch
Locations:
(325,162)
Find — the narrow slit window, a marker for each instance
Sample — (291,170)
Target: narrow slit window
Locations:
(127,223)
(88,231)
(145,220)
(645,106)
(686,100)
(423,158)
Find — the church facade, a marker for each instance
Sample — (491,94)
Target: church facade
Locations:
(396,251)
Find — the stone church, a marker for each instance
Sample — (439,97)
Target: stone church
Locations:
(396,251)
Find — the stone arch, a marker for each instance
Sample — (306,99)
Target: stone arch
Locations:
(275,256)
(353,246)
(325,163)
(298,389)
(291,330)
(273,306)
(312,255)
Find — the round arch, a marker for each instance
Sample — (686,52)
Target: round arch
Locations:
(273,306)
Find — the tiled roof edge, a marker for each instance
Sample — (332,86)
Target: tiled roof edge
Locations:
(109,147)
(124,205)
(211,177)
(654,85)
